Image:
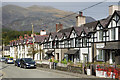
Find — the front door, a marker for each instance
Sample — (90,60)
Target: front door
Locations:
(112,57)
(85,56)
(57,56)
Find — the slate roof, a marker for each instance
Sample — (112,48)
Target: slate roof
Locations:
(118,12)
(40,38)
(65,30)
(112,45)
(105,21)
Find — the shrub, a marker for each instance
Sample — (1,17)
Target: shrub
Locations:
(70,61)
(56,61)
(64,61)
(9,57)
(50,60)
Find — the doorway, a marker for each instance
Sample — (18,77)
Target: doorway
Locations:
(85,56)
(57,56)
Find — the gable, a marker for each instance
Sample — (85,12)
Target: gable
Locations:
(73,34)
(56,38)
(83,34)
(115,21)
(99,26)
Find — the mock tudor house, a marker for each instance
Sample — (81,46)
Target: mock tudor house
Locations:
(97,41)
(92,41)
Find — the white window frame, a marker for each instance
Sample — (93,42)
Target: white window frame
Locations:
(103,55)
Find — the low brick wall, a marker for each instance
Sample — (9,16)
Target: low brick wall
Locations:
(73,69)
(61,68)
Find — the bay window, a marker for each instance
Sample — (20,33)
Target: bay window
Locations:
(100,55)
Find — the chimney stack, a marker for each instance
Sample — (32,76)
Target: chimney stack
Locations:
(112,8)
(80,19)
(43,32)
(59,26)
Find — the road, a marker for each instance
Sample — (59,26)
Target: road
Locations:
(11,71)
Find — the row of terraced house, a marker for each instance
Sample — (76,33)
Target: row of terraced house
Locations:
(97,41)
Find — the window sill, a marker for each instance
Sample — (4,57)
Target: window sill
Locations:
(99,60)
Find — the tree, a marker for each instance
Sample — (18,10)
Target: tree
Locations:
(32,51)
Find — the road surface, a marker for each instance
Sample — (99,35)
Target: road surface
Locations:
(11,71)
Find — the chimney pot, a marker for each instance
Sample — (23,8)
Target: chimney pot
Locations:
(80,13)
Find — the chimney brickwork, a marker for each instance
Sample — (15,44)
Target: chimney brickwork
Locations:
(80,19)
(59,26)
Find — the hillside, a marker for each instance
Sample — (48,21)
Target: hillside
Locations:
(20,19)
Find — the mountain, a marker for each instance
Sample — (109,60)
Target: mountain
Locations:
(43,17)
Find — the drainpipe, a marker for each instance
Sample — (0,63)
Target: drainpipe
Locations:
(88,51)
(93,49)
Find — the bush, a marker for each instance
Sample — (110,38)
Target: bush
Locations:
(50,60)
(64,61)
(56,61)
(70,61)
(9,57)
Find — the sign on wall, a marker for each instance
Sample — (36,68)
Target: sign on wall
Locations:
(100,45)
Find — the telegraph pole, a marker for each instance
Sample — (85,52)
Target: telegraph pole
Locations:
(33,39)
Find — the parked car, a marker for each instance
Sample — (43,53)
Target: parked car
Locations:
(9,60)
(27,63)
(17,62)
(2,59)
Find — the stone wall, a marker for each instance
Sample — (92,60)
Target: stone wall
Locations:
(73,69)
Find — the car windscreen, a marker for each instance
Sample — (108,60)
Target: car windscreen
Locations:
(28,60)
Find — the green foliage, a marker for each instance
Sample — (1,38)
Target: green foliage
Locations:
(64,61)
(70,61)
(56,61)
(50,60)
(9,57)
(99,62)
(8,35)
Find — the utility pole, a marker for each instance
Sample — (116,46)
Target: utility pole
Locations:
(33,39)
(2,48)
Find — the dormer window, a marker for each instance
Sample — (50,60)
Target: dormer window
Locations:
(84,42)
(78,43)
(113,33)
(66,43)
(72,43)
(101,35)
